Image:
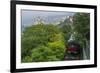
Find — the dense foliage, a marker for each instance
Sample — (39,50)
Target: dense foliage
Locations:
(81,24)
(82,28)
(65,27)
(42,42)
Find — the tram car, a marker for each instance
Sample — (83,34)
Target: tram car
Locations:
(73,52)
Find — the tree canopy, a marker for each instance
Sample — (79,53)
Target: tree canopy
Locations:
(42,42)
(81,25)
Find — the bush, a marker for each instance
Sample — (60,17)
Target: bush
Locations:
(58,49)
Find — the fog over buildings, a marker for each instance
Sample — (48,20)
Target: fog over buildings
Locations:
(31,17)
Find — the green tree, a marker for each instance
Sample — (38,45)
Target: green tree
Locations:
(37,43)
(66,28)
(81,23)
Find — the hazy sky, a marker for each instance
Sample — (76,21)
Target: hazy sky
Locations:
(28,16)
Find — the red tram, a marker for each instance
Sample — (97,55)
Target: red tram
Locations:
(74,51)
